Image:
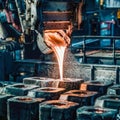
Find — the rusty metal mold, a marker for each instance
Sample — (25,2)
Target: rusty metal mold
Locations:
(99,86)
(3,105)
(41,81)
(95,113)
(67,83)
(114,90)
(79,96)
(23,108)
(57,110)
(70,83)
(108,101)
(19,89)
(49,93)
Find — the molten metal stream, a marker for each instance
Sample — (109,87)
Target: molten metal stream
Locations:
(57,41)
(59,52)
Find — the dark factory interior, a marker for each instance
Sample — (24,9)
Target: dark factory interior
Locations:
(59,59)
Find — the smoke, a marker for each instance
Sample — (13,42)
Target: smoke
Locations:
(71,68)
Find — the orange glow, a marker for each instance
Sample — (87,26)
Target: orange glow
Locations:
(59,52)
(83,87)
(58,41)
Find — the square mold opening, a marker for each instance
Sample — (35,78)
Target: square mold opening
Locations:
(49,93)
(19,89)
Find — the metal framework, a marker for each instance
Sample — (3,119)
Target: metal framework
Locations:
(84,45)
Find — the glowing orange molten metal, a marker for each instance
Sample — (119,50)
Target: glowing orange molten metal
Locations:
(58,41)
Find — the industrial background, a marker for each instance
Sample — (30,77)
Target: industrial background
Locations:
(30,88)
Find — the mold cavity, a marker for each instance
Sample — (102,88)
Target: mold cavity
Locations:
(96,110)
(20,86)
(84,93)
(24,99)
(96,82)
(47,89)
(58,104)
